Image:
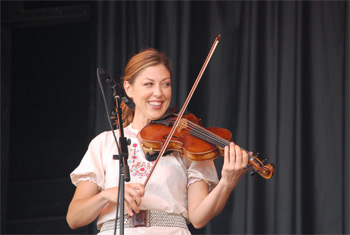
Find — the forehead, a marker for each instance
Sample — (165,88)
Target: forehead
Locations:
(154,72)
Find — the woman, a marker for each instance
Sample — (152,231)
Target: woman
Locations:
(179,190)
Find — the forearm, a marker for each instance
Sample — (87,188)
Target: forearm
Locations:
(211,205)
(82,212)
(204,206)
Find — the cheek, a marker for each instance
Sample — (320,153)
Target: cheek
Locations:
(142,95)
(169,94)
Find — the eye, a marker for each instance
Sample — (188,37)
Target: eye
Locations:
(148,84)
(166,84)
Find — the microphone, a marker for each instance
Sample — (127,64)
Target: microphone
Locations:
(117,88)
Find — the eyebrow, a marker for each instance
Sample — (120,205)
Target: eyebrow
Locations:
(151,79)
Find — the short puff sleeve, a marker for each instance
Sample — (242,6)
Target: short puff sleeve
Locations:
(91,166)
(201,170)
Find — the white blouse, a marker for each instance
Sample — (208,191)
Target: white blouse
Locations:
(166,190)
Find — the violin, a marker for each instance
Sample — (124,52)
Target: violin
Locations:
(194,142)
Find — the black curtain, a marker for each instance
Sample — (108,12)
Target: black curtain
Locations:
(279,80)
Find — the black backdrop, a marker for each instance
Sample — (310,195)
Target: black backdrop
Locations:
(279,80)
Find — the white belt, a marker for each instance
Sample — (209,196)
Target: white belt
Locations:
(147,218)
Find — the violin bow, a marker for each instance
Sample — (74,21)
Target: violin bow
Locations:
(182,111)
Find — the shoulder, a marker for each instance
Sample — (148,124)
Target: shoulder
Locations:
(104,138)
(109,137)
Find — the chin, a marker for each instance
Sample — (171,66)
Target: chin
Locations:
(156,116)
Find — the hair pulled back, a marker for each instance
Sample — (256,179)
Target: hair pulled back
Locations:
(145,58)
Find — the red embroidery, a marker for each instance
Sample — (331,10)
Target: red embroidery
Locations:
(138,167)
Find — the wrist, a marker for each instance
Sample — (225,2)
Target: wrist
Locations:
(103,197)
(226,185)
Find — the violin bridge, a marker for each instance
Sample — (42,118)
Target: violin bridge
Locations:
(182,125)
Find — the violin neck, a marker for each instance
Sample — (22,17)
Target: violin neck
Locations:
(266,171)
(204,134)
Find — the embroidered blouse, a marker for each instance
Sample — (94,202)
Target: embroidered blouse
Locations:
(165,191)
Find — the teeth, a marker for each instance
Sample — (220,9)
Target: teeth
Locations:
(155,103)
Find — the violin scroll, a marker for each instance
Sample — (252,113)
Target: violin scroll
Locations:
(265,171)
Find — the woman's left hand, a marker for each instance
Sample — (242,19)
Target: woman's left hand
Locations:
(235,164)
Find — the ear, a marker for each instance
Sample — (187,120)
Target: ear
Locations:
(128,88)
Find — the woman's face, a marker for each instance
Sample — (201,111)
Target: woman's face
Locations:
(151,93)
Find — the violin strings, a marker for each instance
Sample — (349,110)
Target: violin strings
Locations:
(202,132)
(208,134)
(199,131)
(205,133)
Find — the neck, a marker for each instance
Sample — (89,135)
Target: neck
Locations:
(139,124)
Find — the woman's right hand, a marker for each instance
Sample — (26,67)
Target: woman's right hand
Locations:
(88,202)
(132,199)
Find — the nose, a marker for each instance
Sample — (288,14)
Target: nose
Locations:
(157,92)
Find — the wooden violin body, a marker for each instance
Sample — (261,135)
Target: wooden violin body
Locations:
(194,149)
(193,141)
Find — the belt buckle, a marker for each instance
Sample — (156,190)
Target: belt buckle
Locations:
(141,219)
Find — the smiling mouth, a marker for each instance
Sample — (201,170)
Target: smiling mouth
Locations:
(155,103)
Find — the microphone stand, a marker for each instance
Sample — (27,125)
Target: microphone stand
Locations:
(124,174)
(123,151)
